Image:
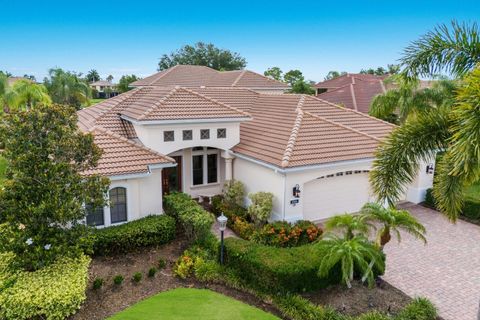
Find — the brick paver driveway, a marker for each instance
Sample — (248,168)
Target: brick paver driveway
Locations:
(446,270)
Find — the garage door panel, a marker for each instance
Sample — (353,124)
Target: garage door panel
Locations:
(327,197)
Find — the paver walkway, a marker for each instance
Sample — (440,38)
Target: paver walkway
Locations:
(446,270)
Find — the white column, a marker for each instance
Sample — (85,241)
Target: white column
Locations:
(228,165)
(228,169)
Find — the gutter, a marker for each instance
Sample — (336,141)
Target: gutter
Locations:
(301,168)
(143,174)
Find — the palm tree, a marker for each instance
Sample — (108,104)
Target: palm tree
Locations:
(67,88)
(392,220)
(454,129)
(27,94)
(454,49)
(350,225)
(356,254)
(407,98)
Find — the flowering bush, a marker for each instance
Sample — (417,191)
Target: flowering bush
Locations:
(284,234)
(242,228)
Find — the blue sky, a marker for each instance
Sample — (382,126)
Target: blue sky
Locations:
(129,37)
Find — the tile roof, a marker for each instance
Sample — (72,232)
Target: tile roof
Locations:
(160,103)
(354,91)
(122,156)
(198,76)
(297,130)
(286,130)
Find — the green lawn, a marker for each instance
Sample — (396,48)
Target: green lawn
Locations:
(3,167)
(195,304)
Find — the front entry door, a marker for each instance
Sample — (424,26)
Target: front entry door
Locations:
(172,177)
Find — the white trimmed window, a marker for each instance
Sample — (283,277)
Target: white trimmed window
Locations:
(118,204)
(205,134)
(221,133)
(205,164)
(95,216)
(168,136)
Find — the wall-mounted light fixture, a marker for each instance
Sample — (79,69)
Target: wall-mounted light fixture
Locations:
(430,168)
(296,191)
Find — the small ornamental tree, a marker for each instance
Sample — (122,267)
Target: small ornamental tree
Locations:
(233,193)
(42,200)
(261,207)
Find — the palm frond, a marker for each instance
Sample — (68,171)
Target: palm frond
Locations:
(454,49)
(397,158)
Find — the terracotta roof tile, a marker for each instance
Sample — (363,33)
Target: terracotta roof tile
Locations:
(122,156)
(198,76)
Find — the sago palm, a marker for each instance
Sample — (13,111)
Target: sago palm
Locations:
(350,225)
(356,254)
(392,221)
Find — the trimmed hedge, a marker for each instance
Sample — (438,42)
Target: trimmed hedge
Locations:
(471,207)
(54,292)
(277,269)
(148,231)
(195,221)
(274,269)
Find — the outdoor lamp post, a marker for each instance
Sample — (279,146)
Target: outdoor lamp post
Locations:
(222,225)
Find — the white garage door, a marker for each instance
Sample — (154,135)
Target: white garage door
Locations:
(335,194)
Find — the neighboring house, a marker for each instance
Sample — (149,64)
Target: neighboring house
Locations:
(104,89)
(314,156)
(12,80)
(355,90)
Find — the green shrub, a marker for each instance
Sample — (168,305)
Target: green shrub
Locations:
(418,309)
(137,277)
(279,269)
(184,266)
(151,272)
(471,209)
(261,207)
(284,234)
(53,292)
(195,221)
(233,193)
(118,279)
(97,283)
(296,307)
(242,228)
(429,199)
(206,270)
(162,263)
(148,231)
(471,205)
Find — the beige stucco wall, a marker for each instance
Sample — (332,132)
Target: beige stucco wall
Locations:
(259,178)
(152,136)
(144,196)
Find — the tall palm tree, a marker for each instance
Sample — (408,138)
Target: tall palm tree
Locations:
(350,225)
(455,129)
(407,98)
(392,221)
(356,254)
(454,49)
(67,88)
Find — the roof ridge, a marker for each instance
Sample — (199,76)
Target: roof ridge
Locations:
(158,103)
(133,143)
(238,78)
(294,133)
(350,110)
(217,102)
(127,94)
(165,73)
(354,99)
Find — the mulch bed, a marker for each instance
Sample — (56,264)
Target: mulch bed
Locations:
(360,299)
(111,299)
